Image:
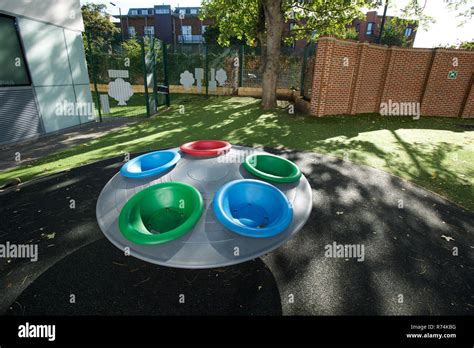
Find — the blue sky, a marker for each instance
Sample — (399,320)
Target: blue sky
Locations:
(444,31)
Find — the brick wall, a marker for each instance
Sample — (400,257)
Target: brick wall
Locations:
(352,78)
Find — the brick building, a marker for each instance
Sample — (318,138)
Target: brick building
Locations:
(368,29)
(181,25)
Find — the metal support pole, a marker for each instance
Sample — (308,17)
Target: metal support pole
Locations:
(165,72)
(206,70)
(94,74)
(379,39)
(142,43)
(241,66)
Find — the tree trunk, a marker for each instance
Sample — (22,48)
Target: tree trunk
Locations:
(274,27)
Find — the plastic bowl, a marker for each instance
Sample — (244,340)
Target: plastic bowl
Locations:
(252,208)
(161,213)
(149,164)
(272,168)
(205,147)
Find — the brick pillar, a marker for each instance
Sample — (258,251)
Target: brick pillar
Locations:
(356,85)
(388,75)
(322,72)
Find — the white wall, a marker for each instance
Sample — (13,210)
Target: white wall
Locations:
(62,13)
(57,63)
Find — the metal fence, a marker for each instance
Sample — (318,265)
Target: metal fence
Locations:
(137,77)
(307,70)
(130,80)
(222,70)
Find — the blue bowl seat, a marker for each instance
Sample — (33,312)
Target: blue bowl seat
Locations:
(149,164)
(252,208)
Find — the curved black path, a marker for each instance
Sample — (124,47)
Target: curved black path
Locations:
(409,268)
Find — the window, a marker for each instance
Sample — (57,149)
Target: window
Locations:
(186,30)
(357,27)
(193,11)
(149,30)
(134,12)
(144,12)
(131,30)
(13,70)
(408,31)
(203,29)
(162,11)
(370,28)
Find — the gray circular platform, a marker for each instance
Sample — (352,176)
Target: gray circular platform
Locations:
(209,244)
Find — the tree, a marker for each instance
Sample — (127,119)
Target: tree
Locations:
(394,32)
(97,24)
(212,33)
(263,22)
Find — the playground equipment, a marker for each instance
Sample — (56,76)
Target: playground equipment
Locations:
(150,164)
(205,147)
(252,208)
(272,168)
(161,213)
(203,209)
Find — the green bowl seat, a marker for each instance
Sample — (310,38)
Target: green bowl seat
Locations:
(272,168)
(161,213)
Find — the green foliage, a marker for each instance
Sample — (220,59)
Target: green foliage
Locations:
(467,45)
(212,33)
(415,9)
(394,32)
(349,34)
(244,19)
(98,27)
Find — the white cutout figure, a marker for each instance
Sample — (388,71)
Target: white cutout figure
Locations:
(187,80)
(199,74)
(221,76)
(212,82)
(120,90)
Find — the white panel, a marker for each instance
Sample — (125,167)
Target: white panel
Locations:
(51,100)
(46,54)
(77,57)
(63,13)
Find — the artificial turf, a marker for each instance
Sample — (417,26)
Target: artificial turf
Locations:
(436,153)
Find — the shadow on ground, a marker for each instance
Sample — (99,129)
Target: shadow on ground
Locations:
(409,268)
(102,281)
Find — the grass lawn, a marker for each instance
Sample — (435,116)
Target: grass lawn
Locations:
(436,153)
(136,106)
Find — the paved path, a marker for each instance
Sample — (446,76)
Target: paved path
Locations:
(408,267)
(44,146)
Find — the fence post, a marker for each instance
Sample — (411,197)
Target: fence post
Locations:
(142,43)
(241,67)
(303,69)
(165,72)
(94,74)
(206,70)
(153,64)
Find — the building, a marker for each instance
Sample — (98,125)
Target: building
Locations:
(43,74)
(188,28)
(181,25)
(368,29)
